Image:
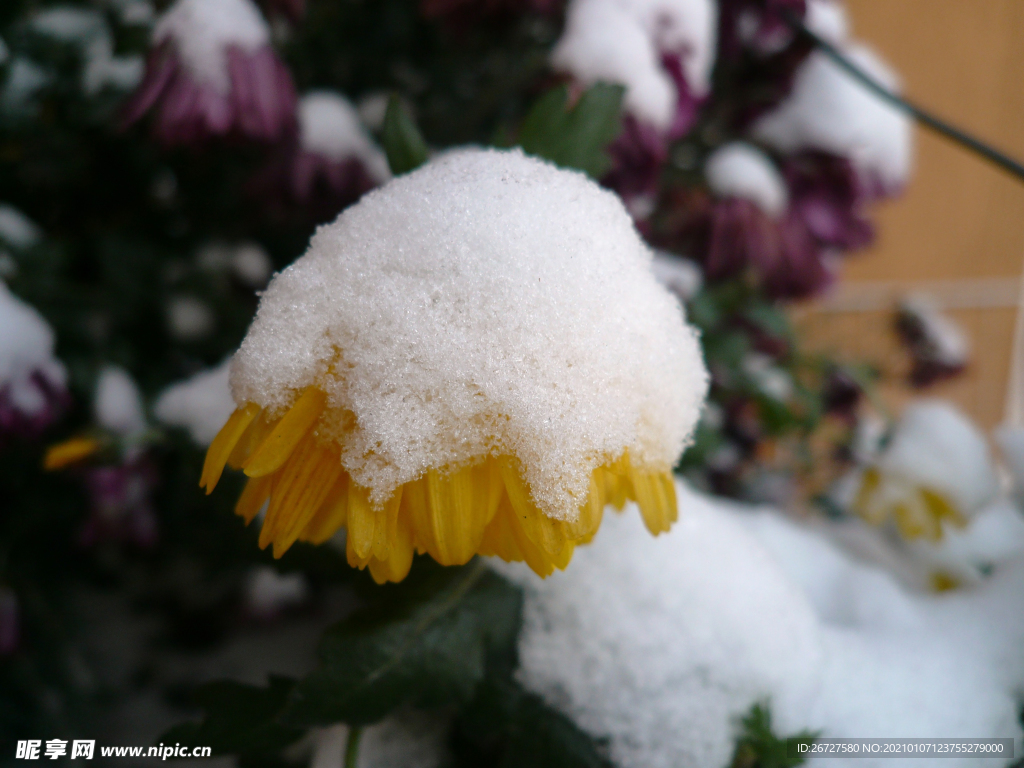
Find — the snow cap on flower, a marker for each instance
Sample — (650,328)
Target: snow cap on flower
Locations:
(213,71)
(117,403)
(330,126)
(682,276)
(831,112)
(828,20)
(200,404)
(16,229)
(741,170)
(937,467)
(32,381)
(627,42)
(938,346)
(486,312)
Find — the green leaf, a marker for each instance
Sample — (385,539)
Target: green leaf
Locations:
(239,719)
(507,727)
(577,137)
(759,747)
(402,140)
(426,642)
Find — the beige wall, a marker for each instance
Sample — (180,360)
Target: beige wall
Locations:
(960,218)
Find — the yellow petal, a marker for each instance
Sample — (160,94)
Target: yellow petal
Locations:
(399,560)
(288,485)
(69,452)
(278,446)
(251,440)
(386,525)
(308,497)
(257,491)
(333,514)
(224,443)
(362,524)
(655,499)
(540,528)
(461,505)
(591,512)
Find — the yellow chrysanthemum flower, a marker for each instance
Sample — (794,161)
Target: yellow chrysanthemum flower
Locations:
(936,470)
(475,359)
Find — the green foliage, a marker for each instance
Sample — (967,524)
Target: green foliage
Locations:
(402,141)
(240,719)
(507,727)
(428,641)
(575,136)
(759,747)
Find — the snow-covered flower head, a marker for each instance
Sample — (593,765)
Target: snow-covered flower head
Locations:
(628,42)
(938,347)
(751,225)
(333,161)
(936,468)
(33,390)
(474,358)
(662,52)
(212,71)
(829,111)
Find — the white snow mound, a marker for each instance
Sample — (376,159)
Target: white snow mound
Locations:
(487,303)
(661,644)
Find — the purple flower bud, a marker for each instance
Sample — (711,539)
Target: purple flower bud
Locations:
(212,72)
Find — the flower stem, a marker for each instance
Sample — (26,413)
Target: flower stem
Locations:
(352,747)
(922,116)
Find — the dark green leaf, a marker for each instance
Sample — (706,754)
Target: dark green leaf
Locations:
(577,137)
(759,747)
(239,719)
(402,140)
(425,642)
(506,727)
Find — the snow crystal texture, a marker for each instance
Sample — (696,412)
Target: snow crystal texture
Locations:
(829,111)
(622,41)
(741,170)
(202,30)
(485,304)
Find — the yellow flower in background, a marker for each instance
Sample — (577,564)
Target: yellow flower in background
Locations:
(936,470)
(475,359)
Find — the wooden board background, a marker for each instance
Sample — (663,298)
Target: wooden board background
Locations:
(958,230)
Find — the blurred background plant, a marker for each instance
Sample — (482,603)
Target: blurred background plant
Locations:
(158,162)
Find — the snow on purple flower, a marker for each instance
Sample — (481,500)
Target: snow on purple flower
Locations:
(33,392)
(213,72)
(331,162)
